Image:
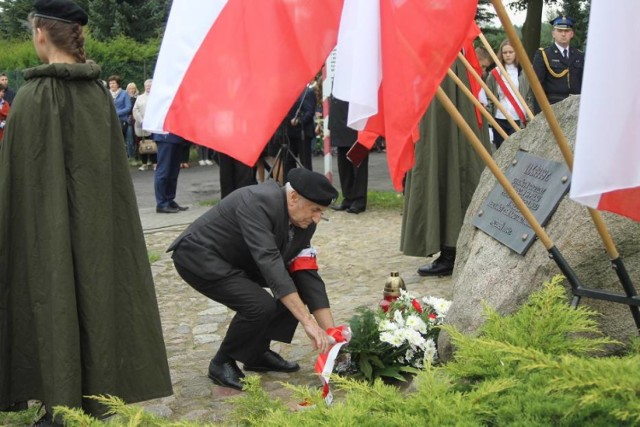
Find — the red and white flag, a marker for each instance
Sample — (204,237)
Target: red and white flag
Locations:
(229,70)
(606,173)
(391,57)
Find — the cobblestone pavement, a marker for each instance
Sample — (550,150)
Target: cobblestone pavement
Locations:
(356,253)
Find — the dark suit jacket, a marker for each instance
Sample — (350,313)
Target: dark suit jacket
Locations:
(341,135)
(247,233)
(306,113)
(555,88)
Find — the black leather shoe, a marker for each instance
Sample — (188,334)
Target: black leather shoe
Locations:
(167,210)
(227,374)
(340,207)
(272,361)
(177,206)
(355,210)
(436,269)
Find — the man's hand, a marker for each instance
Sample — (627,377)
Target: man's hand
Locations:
(319,338)
(316,334)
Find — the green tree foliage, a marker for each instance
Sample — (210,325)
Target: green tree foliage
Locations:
(140,20)
(13,19)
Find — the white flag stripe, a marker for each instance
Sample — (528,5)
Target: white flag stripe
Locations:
(184,34)
(359,60)
(607,154)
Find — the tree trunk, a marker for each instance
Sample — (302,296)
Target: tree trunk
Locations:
(532,26)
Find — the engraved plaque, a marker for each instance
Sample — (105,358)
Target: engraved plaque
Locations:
(541,184)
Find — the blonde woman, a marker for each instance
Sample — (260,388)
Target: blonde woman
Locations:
(503,91)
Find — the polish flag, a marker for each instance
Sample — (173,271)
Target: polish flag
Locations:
(606,173)
(229,70)
(391,57)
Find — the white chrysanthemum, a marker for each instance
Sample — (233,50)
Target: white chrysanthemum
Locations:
(441,305)
(397,317)
(430,352)
(394,338)
(416,323)
(409,354)
(412,337)
(387,325)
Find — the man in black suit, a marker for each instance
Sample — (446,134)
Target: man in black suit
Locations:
(353,179)
(259,236)
(559,67)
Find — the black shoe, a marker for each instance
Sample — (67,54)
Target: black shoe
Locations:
(177,206)
(341,207)
(355,210)
(436,269)
(167,210)
(226,374)
(272,361)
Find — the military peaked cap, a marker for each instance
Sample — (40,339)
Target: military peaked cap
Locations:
(563,23)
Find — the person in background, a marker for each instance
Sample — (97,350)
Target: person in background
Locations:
(122,103)
(440,185)
(139,109)
(78,309)
(204,156)
(234,174)
(485,60)
(132,92)
(353,179)
(4,110)
(501,88)
(8,93)
(559,67)
(259,237)
(170,149)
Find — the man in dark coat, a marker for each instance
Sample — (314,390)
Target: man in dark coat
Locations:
(78,310)
(559,67)
(353,179)
(259,236)
(301,128)
(170,149)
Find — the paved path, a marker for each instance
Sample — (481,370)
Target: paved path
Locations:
(356,254)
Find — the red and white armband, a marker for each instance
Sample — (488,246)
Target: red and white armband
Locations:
(305,260)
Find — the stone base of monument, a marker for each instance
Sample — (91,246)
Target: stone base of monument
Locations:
(489,272)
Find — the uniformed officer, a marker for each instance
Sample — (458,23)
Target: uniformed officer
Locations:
(559,66)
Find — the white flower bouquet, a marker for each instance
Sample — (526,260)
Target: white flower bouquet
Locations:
(396,339)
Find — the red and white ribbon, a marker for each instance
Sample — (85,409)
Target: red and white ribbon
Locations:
(326,361)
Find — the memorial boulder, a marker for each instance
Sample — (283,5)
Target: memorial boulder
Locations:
(488,271)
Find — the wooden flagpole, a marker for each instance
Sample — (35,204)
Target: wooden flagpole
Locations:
(493,166)
(506,75)
(490,94)
(616,261)
(561,139)
(478,104)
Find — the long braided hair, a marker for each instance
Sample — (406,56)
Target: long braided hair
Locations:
(66,36)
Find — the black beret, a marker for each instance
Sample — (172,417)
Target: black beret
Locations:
(61,10)
(312,186)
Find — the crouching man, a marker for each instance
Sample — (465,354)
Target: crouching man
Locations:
(259,236)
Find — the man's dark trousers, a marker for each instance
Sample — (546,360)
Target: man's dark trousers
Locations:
(259,317)
(167,171)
